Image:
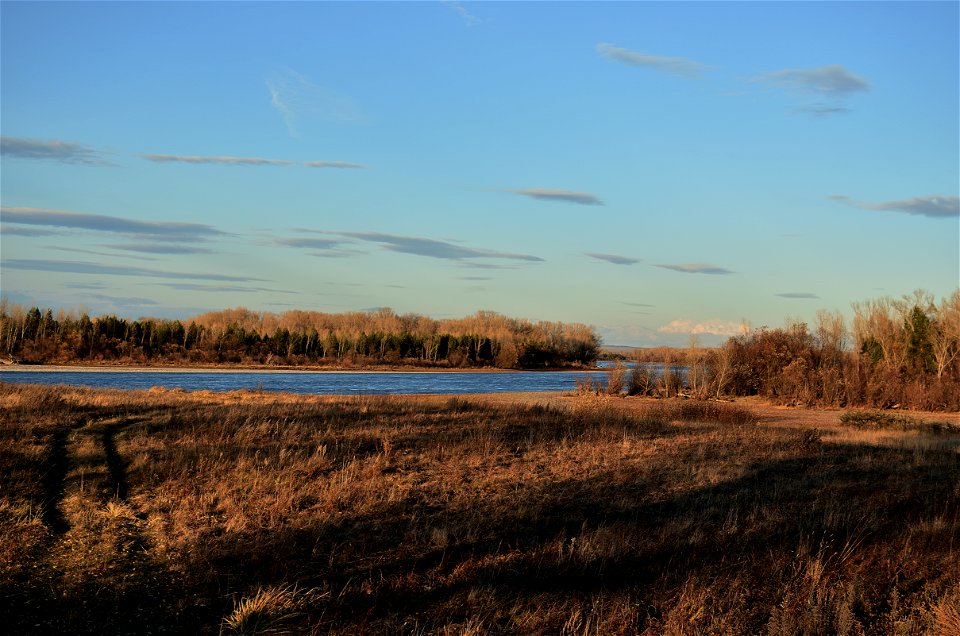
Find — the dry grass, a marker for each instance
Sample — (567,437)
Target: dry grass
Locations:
(172,512)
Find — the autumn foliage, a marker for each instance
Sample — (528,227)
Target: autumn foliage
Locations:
(900,353)
(242,336)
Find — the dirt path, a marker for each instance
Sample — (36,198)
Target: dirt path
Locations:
(770,414)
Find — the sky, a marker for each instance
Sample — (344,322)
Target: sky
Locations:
(656,170)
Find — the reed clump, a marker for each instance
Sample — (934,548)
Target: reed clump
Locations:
(149,512)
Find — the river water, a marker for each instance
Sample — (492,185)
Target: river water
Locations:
(318,382)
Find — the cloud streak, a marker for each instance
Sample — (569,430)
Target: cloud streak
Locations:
(312,243)
(435,249)
(81,267)
(935,207)
(80,250)
(612,258)
(334,164)
(547,194)
(52,150)
(153,230)
(673,65)
(695,268)
(14,230)
(151,248)
(823,110)
(222,288)
(222,160)
(832,81)
(798,295)
(248,161)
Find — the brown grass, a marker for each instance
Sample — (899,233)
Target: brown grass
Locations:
(165,511)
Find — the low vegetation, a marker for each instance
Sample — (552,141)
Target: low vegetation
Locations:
(172,512)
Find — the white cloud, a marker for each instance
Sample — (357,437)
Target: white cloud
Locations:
(710,327)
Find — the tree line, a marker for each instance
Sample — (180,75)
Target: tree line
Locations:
(241,336)
(897,353)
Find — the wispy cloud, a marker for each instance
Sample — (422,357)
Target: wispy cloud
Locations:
(80,250)
(612,258)
(80,267)
(228,161)
(294,96)
(13,230)
(798,295)
(474,278)
(338,244)
(333,164)
(823,110)
(937,206)
(323,247)
(435,249)
(152,230)
(673,65)
(468,18)
(124,300)
(155,248)
(223,288)
(249,161)
(832,81)
(710,327)
(637,304)
(312,243)
(335,253)
(52,150)
(546,194)
(695,268)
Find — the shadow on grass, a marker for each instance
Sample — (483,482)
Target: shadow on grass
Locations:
(597,535)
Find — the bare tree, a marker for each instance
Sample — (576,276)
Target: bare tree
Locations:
(946,333)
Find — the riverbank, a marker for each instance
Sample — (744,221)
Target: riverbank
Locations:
(169,511)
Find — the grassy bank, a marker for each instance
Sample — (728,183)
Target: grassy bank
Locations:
(167,512)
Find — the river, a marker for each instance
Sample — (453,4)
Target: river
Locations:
(316,382)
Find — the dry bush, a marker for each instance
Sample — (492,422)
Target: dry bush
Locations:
(700,411)
(271,610)
(881,420)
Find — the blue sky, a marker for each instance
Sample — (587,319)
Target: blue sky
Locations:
(652,169)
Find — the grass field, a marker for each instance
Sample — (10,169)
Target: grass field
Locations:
(169,512)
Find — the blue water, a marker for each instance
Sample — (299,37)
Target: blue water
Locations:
(314,382)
